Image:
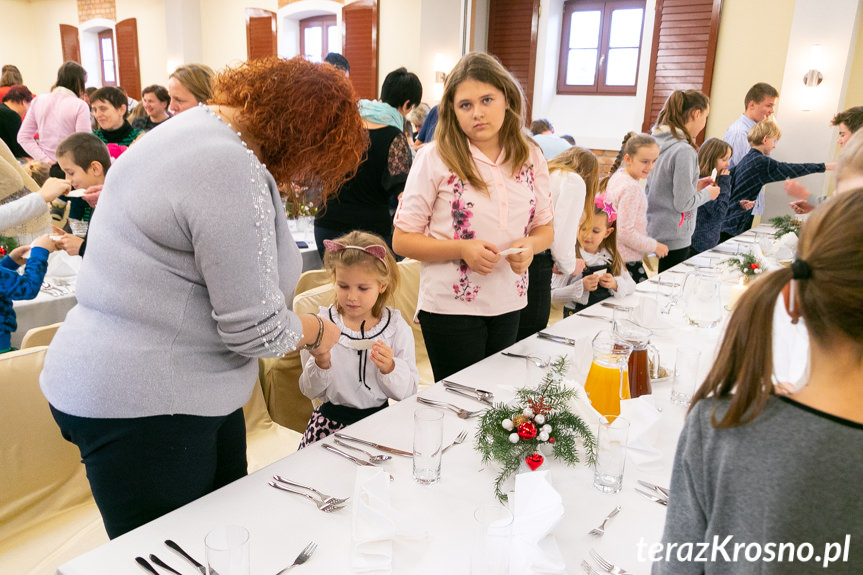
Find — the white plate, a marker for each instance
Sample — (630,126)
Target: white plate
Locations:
(76,194)
(361,344)
(509,251)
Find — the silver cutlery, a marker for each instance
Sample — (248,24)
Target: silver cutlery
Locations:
(600,531)
(652,497)
(593,316)
(356,460)
(372,457)
(537,361)
(483,395)
(302,557)
(556,338)
(469,395)
(588,568)
(663,491)
(616,306)
(457,441)
(462,413)
(324,497)
(609,566)
(325,507)
(146,565)
(375,445)
(163,565)
(176,548)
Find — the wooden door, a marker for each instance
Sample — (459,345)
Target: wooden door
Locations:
(260,33)
(70,43)
(512,31)
(128,64)
(360,21)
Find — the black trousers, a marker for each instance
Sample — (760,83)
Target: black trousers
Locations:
(534,316)
(674,257)
(141,468)
(455,342)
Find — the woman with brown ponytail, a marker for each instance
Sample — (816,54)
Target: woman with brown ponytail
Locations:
(674,190)
(770,470)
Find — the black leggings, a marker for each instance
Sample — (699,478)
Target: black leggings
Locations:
(455,342)
(534,316)
(674,257)
(141,468)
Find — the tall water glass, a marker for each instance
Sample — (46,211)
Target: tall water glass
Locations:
(491,540)
(428,442)
(685,380)
(701,301)
(610,453)
(227,550)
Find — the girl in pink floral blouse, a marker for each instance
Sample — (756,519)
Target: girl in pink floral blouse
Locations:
(475,209)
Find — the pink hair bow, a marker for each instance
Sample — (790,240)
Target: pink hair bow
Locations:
(377,251)
(606,206)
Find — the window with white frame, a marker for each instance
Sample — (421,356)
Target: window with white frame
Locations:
(600,47)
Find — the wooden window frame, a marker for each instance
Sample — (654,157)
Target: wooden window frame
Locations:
(598,88)
(323,21)
(108,33)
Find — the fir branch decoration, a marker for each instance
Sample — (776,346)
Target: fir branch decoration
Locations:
(509,435)
(7,244)
(747,264)
(784,225)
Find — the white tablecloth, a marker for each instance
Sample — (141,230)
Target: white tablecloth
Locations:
(281,524)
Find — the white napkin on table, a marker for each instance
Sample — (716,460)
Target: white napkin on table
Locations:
(375,523)
(643,420)
(537,510)
(61,265)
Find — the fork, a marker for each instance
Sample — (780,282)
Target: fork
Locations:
(462,413)
(589,569)
(302,557)
(322,505)
(459,439)
(609,567)
(324,497)
(600,531)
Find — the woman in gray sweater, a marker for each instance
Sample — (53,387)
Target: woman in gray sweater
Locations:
(186,282)
(673,188)
(766,484)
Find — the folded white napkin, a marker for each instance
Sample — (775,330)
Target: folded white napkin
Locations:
(646,313)
(61,265)
(375,523)
(537,509)
(643,430)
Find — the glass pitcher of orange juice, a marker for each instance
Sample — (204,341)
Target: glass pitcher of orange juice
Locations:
(608,379)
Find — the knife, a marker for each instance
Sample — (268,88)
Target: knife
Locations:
(356,460)
(661,490)
(557,338)
(447,383)
(163,565)
(591,316)
(375,445)
(652,497)
(472,396)
(174,547)
(146,565)
(616,306)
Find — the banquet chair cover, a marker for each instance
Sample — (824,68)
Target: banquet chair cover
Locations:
(40,335)
(47,513)
(266,440)
(406,298)
(312,279)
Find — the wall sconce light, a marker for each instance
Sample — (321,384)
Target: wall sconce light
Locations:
(440,77)
(813,77)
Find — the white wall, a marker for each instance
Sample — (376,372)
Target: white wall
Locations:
(399,40)
(152,20)
(807,134)
(594,121)
(223,30)
(439,45)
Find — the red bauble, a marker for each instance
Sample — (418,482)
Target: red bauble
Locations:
(534,461)
(527,430)
(551,440)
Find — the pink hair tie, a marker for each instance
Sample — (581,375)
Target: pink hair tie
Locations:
(376,251)
(600,202)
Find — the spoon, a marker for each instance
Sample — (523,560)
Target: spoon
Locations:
(372,458)
(538,362)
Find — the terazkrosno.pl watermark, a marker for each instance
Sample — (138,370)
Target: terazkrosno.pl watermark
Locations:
(729,551)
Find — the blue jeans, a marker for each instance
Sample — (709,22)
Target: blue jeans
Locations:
(455,342)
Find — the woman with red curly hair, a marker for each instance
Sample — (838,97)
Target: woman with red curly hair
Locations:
(185,284)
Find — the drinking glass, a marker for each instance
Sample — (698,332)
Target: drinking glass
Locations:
(428,440)
(702,304)
(79,228)
(685,379)
(491,541)
(610,453)
(227,550)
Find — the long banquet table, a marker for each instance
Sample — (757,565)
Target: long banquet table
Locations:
(281,524)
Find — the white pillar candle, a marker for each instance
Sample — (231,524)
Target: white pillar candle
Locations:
(736,292)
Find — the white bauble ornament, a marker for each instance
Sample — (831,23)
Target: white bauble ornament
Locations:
(546,428)
(528,412)
(506,424)
(513,437)
(543,436)
(539,419)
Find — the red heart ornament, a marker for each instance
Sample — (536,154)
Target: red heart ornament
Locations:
(534,461)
